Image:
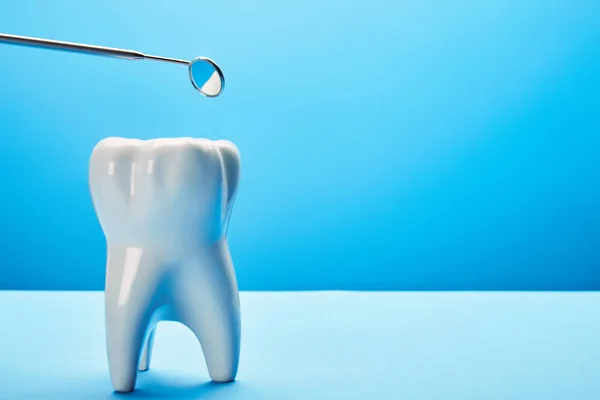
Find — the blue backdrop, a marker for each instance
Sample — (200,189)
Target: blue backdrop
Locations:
(385,144)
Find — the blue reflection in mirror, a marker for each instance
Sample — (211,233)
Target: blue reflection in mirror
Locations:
(206,77)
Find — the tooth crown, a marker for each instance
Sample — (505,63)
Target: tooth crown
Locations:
(182,186)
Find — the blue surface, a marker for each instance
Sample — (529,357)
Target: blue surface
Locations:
(385,144)
(330,345)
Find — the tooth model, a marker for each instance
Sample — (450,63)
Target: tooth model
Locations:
(164,206)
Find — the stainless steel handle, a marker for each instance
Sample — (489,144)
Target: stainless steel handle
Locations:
(83,48)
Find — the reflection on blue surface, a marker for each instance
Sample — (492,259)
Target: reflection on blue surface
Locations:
(468,158)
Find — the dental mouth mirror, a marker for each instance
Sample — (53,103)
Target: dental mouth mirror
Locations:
(204,73)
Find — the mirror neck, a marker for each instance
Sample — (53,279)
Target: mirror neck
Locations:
(166,59)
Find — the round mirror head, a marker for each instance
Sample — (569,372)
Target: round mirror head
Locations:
(206,76)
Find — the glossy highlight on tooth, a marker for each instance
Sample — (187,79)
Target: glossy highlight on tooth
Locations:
(164,206)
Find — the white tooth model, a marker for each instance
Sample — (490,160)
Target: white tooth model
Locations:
(164,206)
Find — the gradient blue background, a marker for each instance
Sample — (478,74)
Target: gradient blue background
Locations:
(385,144)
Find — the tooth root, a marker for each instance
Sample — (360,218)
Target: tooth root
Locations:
(147,352)
(124,341)
(129,305)
(208,304)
